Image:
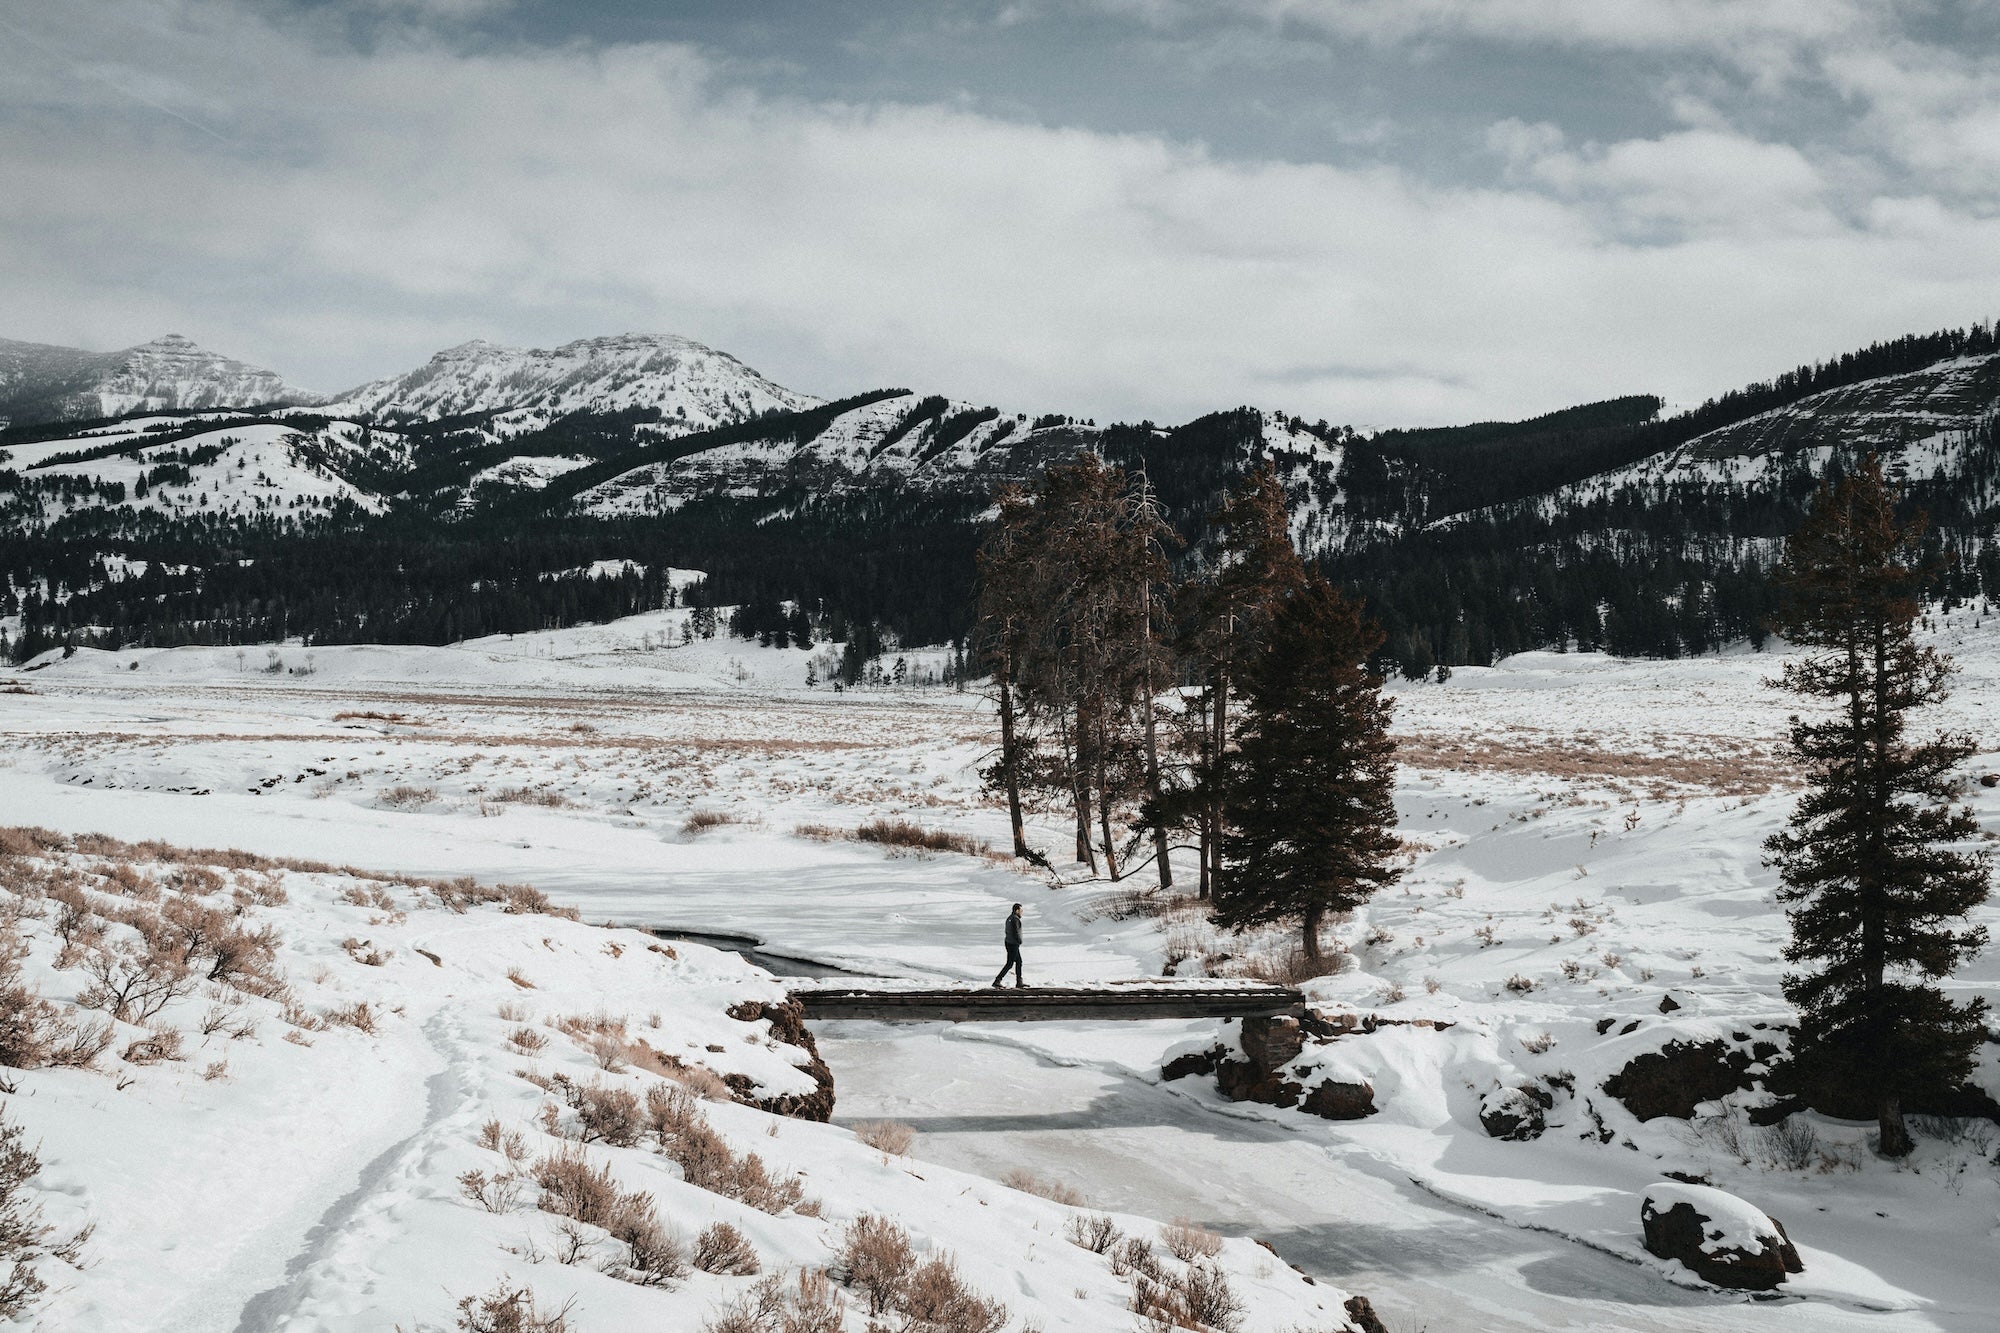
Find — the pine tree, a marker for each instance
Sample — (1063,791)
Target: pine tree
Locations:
(1256,566)
(1878,895)
(1309,805)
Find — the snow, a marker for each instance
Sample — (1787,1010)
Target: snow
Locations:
(1731,1224)
(1600,820)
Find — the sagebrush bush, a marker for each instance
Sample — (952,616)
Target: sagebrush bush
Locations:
(1188,1241)
(684,1135)
(877,1256)
(24,1236)
(511,1309)
(809,1305)
(724,1250)
(886,1136)
(935,1296)
(1095,1232)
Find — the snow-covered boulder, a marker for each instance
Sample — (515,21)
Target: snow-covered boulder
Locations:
(1678,1077)
(1718,1237)
(1515,1113)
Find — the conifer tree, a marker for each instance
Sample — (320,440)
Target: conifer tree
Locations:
(1256,566)
(1878,894)
(1309,808)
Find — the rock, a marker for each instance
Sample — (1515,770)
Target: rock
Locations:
(1362,1316)
(1334,1100)
(1668,1004)
(1241,1081)
(1677,1078)
(788,1025)
(1272,1043)
(1193,1062)
(1719,1238)
(1518,1114)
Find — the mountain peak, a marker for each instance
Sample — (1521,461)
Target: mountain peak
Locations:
(693,386)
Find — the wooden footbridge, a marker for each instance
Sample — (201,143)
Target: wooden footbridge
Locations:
(1116,1001)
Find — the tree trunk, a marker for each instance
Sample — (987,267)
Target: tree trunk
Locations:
(1153,764)
(1895,1135)
(1010,759)
(1104,816)
(1216,773)
(1080,794)
(1312,918)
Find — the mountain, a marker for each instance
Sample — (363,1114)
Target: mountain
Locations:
(690,386)
(42,383)
(1606,526)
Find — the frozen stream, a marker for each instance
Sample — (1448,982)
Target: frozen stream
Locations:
(981,1103)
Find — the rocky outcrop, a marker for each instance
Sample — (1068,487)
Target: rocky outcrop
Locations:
(1516,1113)
(1678,1077)
(788,1025)
(1271,1044)
(1362,1316)
(1194,1062)
(1718,1237)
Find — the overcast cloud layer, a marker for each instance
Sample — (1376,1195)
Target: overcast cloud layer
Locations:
(1372,211)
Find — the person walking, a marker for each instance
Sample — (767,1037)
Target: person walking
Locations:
(1013,949)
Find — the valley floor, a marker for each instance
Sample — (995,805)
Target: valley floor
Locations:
(1585,828)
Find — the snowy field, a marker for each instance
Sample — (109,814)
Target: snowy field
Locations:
(1585,829)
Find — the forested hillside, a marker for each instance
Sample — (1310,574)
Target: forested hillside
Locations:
(1603,526)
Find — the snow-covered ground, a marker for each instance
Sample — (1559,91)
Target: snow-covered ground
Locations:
(1589,826)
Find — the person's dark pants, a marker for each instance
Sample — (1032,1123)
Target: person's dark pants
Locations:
(1013,961)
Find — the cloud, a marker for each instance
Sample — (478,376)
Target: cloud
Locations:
(360,210)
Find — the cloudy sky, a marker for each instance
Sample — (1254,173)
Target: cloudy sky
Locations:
(1373,211)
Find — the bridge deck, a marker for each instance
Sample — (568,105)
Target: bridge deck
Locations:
(1051,1003)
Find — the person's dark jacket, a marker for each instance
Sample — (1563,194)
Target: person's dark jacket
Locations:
(1013,930)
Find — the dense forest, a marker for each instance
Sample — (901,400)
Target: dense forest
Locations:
(1655,570)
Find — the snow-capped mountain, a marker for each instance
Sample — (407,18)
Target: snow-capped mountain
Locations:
(40,382)
(694,387)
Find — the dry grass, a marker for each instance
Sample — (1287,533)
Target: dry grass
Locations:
(1020,1178)
(1720,765)
(904,833)
(1187,1241)
(409,798)
(701,821)
(886,1136)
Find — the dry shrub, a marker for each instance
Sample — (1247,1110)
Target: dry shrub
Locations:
(496,1194)
(904,833)
(936,1297)
(509,1143)
(24,1237)
(1291,966)
(458,894)
(509,1309)
(604,1113)
(1199,1298)
(571,1188)
(724,1250)
(684,1135)
(701,821)
(157,1045)
(886,1136)
(811,1305)
(133,984)
(817,832)
(364,952)
(1187,1241)
(703,1082)
(519,978)
(409,798)
(357,1016)
(35,1033)
(1136,1255)
(526,1040)
(1095,1232)
(542,796)
(526,900)
(1020,1178)
(878,1258)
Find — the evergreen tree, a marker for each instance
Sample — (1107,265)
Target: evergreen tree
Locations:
(1255,568)
(1878,896)
(1309,806)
